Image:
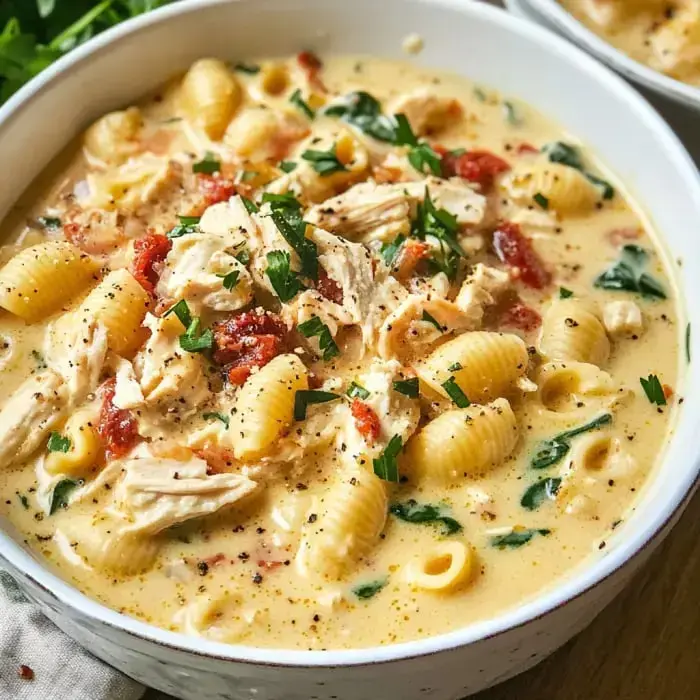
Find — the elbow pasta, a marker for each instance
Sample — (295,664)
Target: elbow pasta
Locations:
(120,304)
(484,365)
(572,332)
(41,279)
(349,524)
(443,568)
(329,377)
(463,442)
(265,405)
(210,96)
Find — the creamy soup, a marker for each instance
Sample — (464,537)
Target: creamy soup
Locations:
(664,34)
(328,354)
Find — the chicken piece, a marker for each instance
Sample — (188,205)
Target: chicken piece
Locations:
(480,289)
(202,269)
(127,390)
(406,332)
(230,220)
(156,493)
(427,112)
(369,211)
(623,318)
(33,410)
(168,375)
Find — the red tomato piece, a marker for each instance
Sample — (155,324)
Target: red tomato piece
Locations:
(215,189)
(328,287)
(117,427)
(366,420)
(149,254)
(525,148)
(248,340)
(515,249)
(311,65)
(475,166)
(521,316)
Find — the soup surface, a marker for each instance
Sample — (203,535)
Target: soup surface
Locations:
(664,35)
(328,354)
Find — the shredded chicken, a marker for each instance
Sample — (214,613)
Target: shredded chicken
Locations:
(623,318)
(482,288)
(426,111)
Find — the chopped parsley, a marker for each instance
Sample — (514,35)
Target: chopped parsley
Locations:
(366,591)
(324,162)
(249,68)
(23,500)
(432,320)
(283,280)
(356,391)
(541,200)
(420,155)
(407,387)
(287,166)
(304,397)
(216,416)
(539,492)
(364,112)
(314,327)
(188,224)
(58,443)
(61,494)
(455,367)
(553,450)
(390,251)
(209,165)
(50,223)
(250,205)
(386,466)
(627,274)
(425,513)
(653,389)
(182,311)
(454,391)
(565,293)
(193,339)
(230,279)
(566,154)
(517,538)
(298,101)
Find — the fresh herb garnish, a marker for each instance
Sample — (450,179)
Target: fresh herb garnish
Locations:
(249,68)
(364,112)
(242,254)
(58,443)
(324,162)
(285,211)
(23,500)
(61,494)
(386,467)
(230,279)
(627,274)
(517,538)
(687,343)
(287,166)
(216,416)
(407,387)
(389,251)
(454,391)
(565,293)
(314,327)
(209,165)
(298,101)
(455,367)
(303,398)
(541,200)
(566,154)
(182,311)
(283,280)
(250,205)
(432,320)
(50,223)
(413,512)
(512,114)
(539,492)
(553,450)
(248,175)
(356,391)
(366,591)
(653,389)
(439,223)
(420,155)
(193,339)
(188,224)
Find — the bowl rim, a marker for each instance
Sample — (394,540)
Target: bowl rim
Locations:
(550,11)
(566,590)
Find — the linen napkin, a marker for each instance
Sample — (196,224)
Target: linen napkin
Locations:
(59,668)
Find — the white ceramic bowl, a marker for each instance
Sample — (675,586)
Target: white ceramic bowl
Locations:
(495,49)
(550,13)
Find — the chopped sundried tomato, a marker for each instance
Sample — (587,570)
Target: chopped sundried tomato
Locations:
(328,287)
(475,166)
(521,316)
(386,175)
(515,249)
(270,565)
(668,391)
(219,460)
(215,189)
(525,148)
(248,340)
(117,427)
(366,420)
(411,255)
(311,65)
(149,254)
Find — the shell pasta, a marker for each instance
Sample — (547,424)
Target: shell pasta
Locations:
(329,352)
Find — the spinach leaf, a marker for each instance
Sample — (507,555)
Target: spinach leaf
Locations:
(421,513)
(364,112)
(61,494)
(366,591)
(539,492)
(315,327)
(627,274)
(566,154)
(516,538)
(303,398)
(386,466)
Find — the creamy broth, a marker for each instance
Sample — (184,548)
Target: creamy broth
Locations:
(664,35)
(286,541)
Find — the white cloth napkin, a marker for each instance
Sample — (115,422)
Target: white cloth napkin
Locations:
(62,669)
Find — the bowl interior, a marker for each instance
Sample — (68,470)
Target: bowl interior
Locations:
(481,42)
